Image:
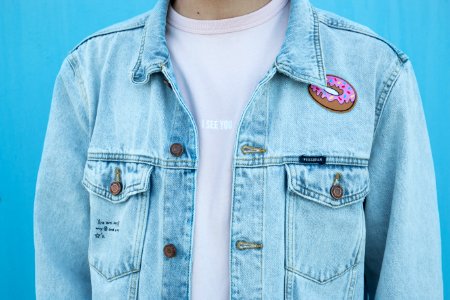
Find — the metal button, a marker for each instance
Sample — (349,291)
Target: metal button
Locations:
(170,250)
(336,191)
(176,149)
(115,187)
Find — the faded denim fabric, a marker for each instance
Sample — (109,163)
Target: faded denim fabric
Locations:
(326,204)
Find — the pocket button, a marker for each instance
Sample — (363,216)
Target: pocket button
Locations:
(169,250)
(336,191)
(115,187)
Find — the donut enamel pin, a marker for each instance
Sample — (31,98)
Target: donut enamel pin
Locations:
(340,96)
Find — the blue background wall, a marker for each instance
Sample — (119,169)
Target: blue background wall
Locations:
(36,35)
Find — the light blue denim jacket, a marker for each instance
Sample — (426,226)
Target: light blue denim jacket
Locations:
(326,204)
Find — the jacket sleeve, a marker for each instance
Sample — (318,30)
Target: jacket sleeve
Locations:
(403,246)
(61,204)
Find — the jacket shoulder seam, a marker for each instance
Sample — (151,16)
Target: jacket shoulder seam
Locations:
(73,63)
(115,28)
(343,24)
(388,86)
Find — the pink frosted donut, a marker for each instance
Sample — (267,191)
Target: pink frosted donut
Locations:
(340,96)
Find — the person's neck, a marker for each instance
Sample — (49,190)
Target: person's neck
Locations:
(216,9)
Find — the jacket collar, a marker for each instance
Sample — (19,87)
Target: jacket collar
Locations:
(300,56)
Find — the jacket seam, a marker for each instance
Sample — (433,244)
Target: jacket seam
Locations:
(129,190)
(317,44)
(115,276)
(386,93)
(104,32)
(322,199)
(139,60)
(73,62)
(314,279)
(138,243)
(355,274)
(351,28)
(353,281)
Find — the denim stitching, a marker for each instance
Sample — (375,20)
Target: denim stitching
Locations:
(139,244)
(354,274)
(353,278)
(290,247)
(232,258)
(130,288)
(138,158)
(319,198)
(240,162)
(129,190)
(290,284)
(112,278)
(317,44)
(139,60)
(163,221)
(330,160)
(187,237)
(75,69)
(136,264)
(342,25)
(385,94)
(264,191)
(304,275)
(138,225)
(233,216)
(183,105)
(286,70)
(103,193)
(191,234)
(298,188)
(133,286)
(111,30)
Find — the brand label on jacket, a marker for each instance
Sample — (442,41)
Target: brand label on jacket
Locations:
(312,159)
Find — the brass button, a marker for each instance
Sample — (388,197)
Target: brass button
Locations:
(336,191)
(115,187)
(176,149)
(170,250)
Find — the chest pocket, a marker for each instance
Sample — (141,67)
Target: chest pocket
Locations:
(119,203)
(325,222)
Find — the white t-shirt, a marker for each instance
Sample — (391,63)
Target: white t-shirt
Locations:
(217,65)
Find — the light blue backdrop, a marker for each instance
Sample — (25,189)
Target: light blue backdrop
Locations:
(36,35)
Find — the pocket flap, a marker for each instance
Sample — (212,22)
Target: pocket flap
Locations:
(99,174)
(314,182)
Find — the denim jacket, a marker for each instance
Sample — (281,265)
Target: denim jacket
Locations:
(333,192)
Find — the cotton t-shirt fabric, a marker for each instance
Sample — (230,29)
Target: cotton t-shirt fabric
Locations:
(217,66)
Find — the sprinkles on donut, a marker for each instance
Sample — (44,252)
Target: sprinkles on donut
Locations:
(339,97)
